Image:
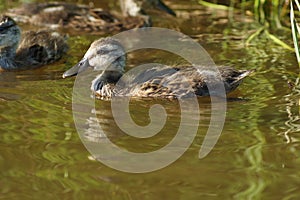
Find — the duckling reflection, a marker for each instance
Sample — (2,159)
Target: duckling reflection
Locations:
(34,50)
(84,18)
(158,81)
(100,123)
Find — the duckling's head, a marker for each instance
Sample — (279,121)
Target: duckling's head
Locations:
(134,8)
(106,54)
(10,33)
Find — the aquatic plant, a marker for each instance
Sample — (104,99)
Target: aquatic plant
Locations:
(271,16)
(295,29)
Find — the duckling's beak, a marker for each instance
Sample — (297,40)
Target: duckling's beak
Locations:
(79,67)
(160,5)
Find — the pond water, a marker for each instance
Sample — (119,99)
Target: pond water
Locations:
(256,157)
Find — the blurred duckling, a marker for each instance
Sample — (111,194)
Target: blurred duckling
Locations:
(84,18)
(157,81)
(33,50)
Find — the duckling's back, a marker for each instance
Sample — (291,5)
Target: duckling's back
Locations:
(40,48)
(180,82)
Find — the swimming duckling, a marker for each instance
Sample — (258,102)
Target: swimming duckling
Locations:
(34,50)
(84,18)
(157,81)
(138,7)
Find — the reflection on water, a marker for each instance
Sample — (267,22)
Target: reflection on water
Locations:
(292,110)
(256,157)
(139,112)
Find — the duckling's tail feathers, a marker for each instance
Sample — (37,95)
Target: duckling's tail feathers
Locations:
(244,74)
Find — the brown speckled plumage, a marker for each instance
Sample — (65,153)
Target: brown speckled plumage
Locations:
(84,18)
(180,81)
(154,81)
(32,50)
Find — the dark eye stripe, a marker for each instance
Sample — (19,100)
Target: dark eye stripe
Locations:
(105,51)
(102,51)
(2,28)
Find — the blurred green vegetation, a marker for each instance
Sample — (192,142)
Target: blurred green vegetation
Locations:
(295,29)
(276,19)
(271,13)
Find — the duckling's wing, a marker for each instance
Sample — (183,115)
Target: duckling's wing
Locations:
(144,83)
(39,48)
(47,14)
(168,82)
(69,15)
(183,81)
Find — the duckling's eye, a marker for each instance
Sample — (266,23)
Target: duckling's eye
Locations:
(3,30)
(6,26)
(80,64)
(83,63)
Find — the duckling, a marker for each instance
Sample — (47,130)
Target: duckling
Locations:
(138,7)
(84,18)
(157,81)
(34,50)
